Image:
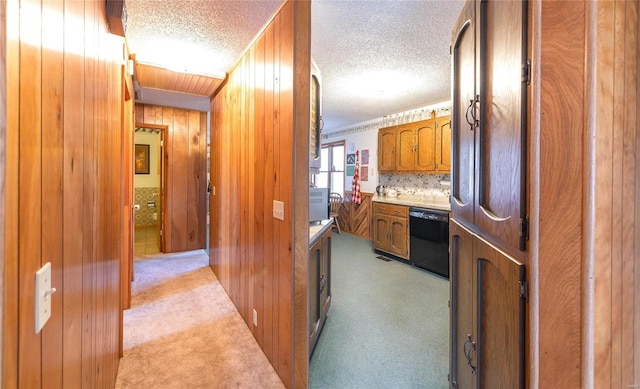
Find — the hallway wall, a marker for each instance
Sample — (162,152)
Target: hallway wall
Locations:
(185,191)
(63,193)
(259,153)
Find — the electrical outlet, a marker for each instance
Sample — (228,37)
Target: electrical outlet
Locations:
(278,210)
(255,318)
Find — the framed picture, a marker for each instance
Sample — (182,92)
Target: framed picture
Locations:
(351,159)
(142,159)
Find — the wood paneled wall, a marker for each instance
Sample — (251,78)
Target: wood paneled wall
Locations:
(185,191)
(584,305)
(259,151)
(611,310)
(63,193)
(356,218)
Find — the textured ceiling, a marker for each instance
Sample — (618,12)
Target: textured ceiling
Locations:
(376,57)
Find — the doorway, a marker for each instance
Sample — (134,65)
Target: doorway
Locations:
(149,182)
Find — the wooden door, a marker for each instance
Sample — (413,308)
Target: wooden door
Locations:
(500,152)
(463,126)
(500,311)
(425,152)
(398,238)
(386,149)
(462,332)
(405,148)
(443,145)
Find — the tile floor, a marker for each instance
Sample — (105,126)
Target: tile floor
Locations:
(146,241)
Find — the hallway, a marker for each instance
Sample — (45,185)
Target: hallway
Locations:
(182,331)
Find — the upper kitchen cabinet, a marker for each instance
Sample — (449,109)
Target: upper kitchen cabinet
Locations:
(315,124)
(387,150)
(490,76)
(418,147)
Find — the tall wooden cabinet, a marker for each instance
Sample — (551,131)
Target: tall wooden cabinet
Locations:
(488,229)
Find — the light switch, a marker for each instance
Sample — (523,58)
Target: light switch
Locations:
(43,296)
(278,209)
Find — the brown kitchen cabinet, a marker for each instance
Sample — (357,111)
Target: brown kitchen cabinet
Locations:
(387,150)
(418,147)
(319,295)
(391,229)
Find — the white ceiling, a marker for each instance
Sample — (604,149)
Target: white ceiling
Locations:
(377,57)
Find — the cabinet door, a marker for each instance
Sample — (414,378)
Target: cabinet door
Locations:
(426,147)
(314,308)
(463,126)
(443,145)
(405,147)
(462,332)
(399,236)
(325,276)
(500,153)
(386,149)
(381,232)
(500,318)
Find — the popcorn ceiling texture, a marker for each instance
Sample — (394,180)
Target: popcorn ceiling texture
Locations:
(400,43)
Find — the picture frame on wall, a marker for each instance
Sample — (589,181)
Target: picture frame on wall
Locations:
(141,160)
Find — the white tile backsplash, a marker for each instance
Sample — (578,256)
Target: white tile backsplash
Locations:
(417,184)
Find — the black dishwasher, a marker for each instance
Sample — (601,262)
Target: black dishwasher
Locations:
(429,242)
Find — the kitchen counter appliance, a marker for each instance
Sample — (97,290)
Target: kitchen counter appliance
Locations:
(429,240)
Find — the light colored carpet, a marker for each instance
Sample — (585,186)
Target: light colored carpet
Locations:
(182,331)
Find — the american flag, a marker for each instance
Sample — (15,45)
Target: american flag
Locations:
(355,192)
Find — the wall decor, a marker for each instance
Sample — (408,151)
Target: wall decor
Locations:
(351,170)
(365,157)
(351,159)
(142,159)
(364,173)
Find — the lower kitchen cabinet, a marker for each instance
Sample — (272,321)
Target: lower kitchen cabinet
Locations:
(391,229)
(488,291)
(319,288)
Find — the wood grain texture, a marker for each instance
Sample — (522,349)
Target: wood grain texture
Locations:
(65,143)
(155,77)
(3,161)
(356,219)
(260,125)
(11,197)
(185,192)
(560,84)
(609,313)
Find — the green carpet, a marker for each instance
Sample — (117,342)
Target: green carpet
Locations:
(388,325)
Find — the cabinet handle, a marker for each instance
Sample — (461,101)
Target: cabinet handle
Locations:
(323,282)
(468,354)
(471,109)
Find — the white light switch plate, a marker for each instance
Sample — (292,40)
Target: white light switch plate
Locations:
(43,296)
(278,209)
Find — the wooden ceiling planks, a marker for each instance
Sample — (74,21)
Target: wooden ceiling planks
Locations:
(155,77)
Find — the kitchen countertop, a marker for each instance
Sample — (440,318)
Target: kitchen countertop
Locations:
(432,202)
(317,230)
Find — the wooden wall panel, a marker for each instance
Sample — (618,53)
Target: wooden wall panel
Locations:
(259,145)
(186,186)
(64,192)
(610,309)
(357,219)
(3,140)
